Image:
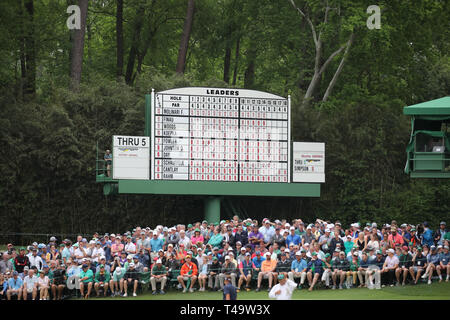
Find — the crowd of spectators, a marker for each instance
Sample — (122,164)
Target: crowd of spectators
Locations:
(203,255)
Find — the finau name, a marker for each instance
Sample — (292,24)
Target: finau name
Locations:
(223,92)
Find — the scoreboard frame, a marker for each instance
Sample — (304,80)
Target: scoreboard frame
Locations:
(224,93)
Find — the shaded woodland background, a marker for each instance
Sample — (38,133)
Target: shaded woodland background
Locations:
(62,91)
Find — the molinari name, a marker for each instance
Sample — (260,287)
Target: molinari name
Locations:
(222,92)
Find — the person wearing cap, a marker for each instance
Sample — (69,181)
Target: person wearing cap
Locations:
(340,267)
(283,266)
(348,244)
(308,237)
(283,289)
(432,263)
(327,265)
(102,279)
(203,271)
(116,247)
(325,241)
(188,273)
(268,232)
(440,233)
(15,286)
(229,289)
(214,269)
(21,261)
(405,262)
(184,240)
(293,238)
(419,263)
(229,269)
(66,252)
(130,247)
(335,241)
(241,235)
(173,238)
(245,272)
(143,242)
(197,237)
(116,282)
(30,283)
(216,238)
(97,252)
(298,269)
(314,270)
(389,266)
(278,237)
(444,265)
(427,235)
(255,237)
(35,260)
(353,268)
(130,278)
(159,274)
(58,281)
(86,280)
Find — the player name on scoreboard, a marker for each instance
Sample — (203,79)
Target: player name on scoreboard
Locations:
(220,135)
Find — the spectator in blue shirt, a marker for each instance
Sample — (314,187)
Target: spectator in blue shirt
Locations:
(314,270)
(293,238)
(156,243)
(298,269)
(15,285)
(427,236)
(444,258)
(257,261)
(433,262)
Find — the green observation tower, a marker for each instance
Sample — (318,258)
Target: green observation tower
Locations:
(217,143)
(428,150)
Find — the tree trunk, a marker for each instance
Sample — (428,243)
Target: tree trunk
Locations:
(134,45)
(339,69)
(119,38)
(30,53)
(236,60)
(78,47)
(184,43)
(227,63)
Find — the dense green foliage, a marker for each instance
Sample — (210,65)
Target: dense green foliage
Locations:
(48,138)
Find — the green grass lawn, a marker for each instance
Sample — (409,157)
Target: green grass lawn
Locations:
(435,291)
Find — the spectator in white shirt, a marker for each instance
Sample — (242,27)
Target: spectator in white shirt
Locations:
(130,247)
(35,260)
(284,289)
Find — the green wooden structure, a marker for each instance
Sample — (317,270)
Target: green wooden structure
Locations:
(428,150)
(212,191)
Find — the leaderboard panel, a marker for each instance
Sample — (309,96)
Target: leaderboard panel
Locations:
(216,138)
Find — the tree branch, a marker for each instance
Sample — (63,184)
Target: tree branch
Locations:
(308,20)
(325,65)
(339,69)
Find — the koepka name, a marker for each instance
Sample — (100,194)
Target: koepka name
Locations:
(223,92)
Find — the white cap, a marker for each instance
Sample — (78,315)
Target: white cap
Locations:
(113,235)
(227,258)
(298,253)
(267,253)
(287,250)
(291,228)
(92,242)
(132,264)
(118,270)
(130,256)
